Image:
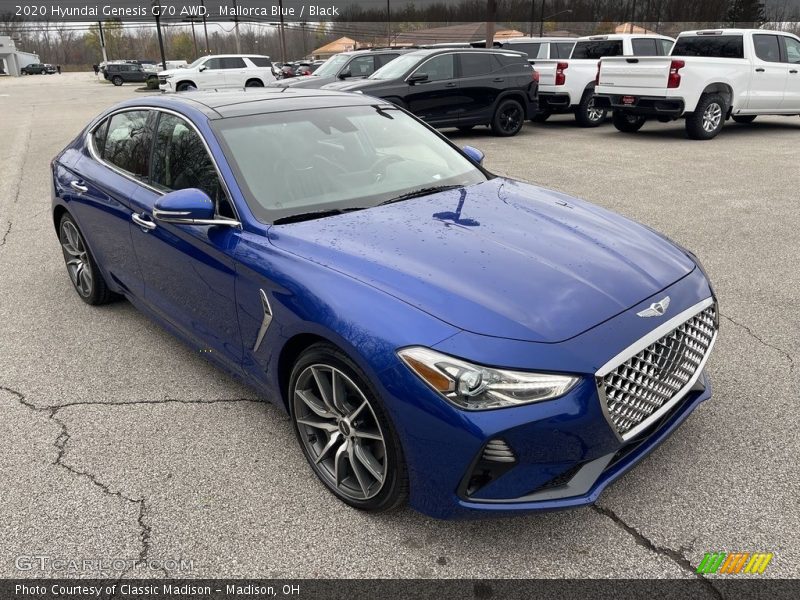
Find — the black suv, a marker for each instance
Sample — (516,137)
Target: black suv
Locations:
(346,65)
(458,87)
(34,69)
(119,73)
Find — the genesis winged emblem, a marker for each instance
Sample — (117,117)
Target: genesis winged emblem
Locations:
(656,309)
(266,321)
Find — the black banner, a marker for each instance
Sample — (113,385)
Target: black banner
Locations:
(723,12)
(738,588)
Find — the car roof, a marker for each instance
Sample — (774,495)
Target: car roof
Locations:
(621,36)
(533,40)
(433,51)
(221,105)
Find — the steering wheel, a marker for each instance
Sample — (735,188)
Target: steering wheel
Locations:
(379,167)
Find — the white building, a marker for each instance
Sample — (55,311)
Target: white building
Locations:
(11,59)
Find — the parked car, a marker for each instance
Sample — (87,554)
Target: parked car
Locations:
(287,71)
(457,87)
(567,85)
(305,69)
(49,69)
(346,65)
(219,71)
(119,73)
(33,69)
(544,48)
(475,343)
(709,77)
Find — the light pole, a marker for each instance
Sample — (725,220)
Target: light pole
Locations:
(205,24)
(542,19)
(154,4)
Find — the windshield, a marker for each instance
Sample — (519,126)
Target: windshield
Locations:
(330,159)
(331,66)
(197,62)
(397,68)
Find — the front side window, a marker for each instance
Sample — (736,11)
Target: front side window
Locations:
(362,66)
(438,68)
(180,159)
(767,47)
(792,47)
(212,64)
(597,49)
(331,66)
(127,143)
(341,158)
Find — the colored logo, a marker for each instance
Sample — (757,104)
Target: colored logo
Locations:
(735,563)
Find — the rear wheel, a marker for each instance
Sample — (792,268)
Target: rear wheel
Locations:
(707,119)
(626,122)
(117,80)
(83,272)
(508,118)
(587,114)
(744,118)
(344,432)
(254,83)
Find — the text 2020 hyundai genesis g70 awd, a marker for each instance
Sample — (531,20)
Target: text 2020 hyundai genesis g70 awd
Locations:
(466,342)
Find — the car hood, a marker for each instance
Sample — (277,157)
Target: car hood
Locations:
(352,84)
(500,258)
(309,81)
(177,71)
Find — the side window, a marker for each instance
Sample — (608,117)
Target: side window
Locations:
(666,46)
(99,137)
(180,159)
(127,143)
(233,62)
(438,68)
(386,58)
(561,50)
(474,64)
(644,47)
(260,61)
(767,47)
(213,64)
(362,66)
(792,47)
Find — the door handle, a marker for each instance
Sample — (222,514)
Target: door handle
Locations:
(759,70)
(498,79)
(793,71)
(145,224)
(451,84)
(81,189)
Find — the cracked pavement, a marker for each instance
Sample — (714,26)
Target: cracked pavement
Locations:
(116,441)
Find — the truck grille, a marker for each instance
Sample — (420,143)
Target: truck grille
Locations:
(641,389)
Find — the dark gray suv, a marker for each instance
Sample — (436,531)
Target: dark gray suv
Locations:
(346,65)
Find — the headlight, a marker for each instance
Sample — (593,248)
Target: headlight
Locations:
(475,387)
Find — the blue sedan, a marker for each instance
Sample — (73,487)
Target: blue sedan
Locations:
(439,335)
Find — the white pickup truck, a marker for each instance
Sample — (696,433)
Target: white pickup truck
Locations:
(541,47)
(710,76)
(567,85)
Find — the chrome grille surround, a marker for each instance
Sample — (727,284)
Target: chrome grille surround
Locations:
(644,381)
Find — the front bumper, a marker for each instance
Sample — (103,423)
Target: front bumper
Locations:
(646,106)
(165,85)
(566,451)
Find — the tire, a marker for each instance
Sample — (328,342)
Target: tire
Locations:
(371,472)
(117,80)
(586,114)
(254,83)
(744,118)
(86,278)
(541,117)
(708,117)
(466,128)
(509,116)
(185,86)
(627,123)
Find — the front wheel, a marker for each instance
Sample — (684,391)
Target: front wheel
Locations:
(627,123)
(508,118)
(344,431)
(587,114)
(117,80)
(707,119)
(744,118)
(185,86)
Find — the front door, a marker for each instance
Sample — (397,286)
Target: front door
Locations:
(433,100)
(189,271)
(212,74)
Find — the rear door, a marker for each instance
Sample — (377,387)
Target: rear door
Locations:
(791,54)
(481,80)
(436,99)
(769,73)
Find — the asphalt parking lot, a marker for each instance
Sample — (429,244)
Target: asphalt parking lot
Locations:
(116,441)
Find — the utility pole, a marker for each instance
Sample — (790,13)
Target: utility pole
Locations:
(491,16)
(236,29)
(103,42)
(388,24)
(154,4)
(541,19)
(194,37)
(205,24)
(282,32)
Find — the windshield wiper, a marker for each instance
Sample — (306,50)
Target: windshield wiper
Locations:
(318,214)
(420,192)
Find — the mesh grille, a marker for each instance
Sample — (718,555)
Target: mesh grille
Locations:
(644,383)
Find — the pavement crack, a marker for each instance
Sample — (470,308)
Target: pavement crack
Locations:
(675,555)
(6,234)
(761,341)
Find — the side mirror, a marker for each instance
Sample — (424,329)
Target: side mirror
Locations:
(190,206)
(474,154)
(202,68)
(346,74)
(417,78)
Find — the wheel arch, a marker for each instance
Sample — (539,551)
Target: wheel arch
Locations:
(180,83)
(288,356)
(257,80)
(517,95)
(722,88)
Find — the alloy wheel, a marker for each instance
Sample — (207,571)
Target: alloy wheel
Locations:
(511,118)
(712,117)
(77,258)
(340,432)
(594,113)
